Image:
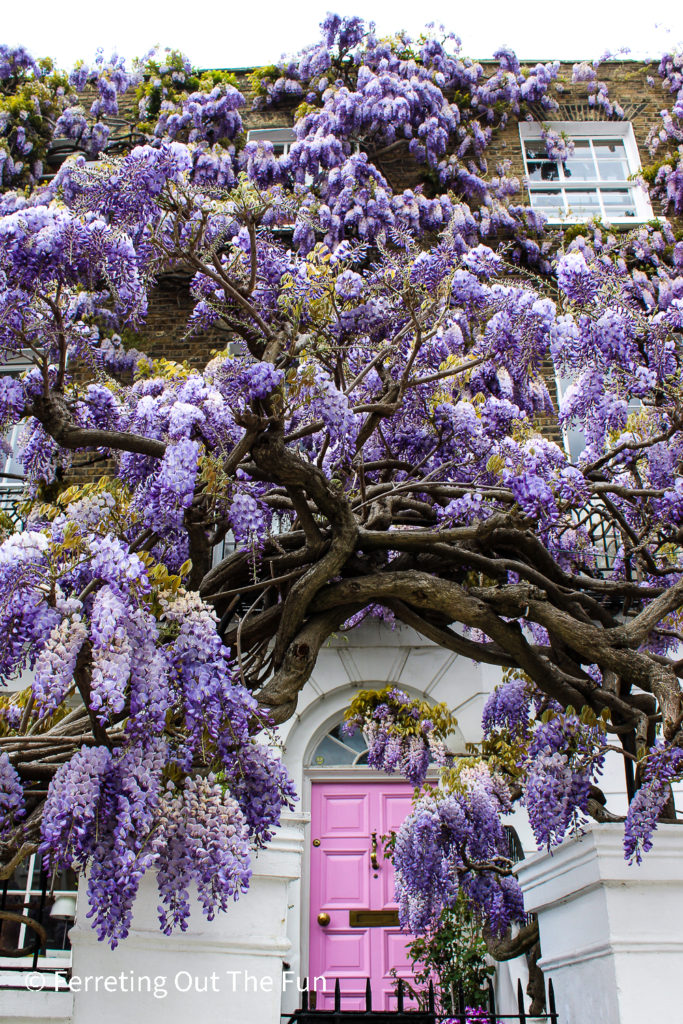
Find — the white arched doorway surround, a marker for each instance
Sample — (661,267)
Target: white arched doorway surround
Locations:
(321,713)
(373,656)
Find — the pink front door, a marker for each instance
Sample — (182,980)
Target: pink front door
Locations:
(344,818)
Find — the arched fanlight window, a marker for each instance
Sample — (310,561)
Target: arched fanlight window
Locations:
(336,748)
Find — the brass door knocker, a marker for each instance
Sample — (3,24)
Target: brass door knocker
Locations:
(373,853)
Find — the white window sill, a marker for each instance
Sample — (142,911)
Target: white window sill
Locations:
(628,222)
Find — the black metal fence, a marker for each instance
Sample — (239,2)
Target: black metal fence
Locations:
(28,929)
(460,1014)
(17,917)
(10,500)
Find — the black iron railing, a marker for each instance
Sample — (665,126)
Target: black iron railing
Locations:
(309,1014)
(28,930)
(10,499)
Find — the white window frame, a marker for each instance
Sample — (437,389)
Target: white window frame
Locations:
(353,755)
(282,138)
(581,130)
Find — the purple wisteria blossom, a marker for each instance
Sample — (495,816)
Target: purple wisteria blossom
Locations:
(439,846)
(399,734)
(662,767)
(12,806)
(401,397)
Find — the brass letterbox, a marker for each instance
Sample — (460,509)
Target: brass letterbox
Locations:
(373,918)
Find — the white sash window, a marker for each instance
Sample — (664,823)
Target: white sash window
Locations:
(597,181)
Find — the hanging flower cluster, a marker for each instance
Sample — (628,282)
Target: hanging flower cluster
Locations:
(185,790)
(402,735)
(454,839)
(661,766)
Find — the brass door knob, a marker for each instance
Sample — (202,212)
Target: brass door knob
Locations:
(323,919)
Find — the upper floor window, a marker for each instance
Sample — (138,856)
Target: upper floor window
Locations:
(595,182)
(281,138)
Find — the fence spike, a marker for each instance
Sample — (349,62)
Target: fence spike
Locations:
(520,1003)
(492,1003)
(430,1003)
(551,1001)
(368,996)
(304,995)
(41,910)
(337,996)
(399,996)
(461,1004)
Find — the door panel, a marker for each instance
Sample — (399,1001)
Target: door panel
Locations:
(394,808)
(344,817)
(344,813)
(344,881)
(345,953)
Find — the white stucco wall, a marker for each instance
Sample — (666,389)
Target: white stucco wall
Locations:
(612,933)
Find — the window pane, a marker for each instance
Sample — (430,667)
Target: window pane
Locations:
(355,742)
(277,136)
(539,167)
(19,879)
(580,166)
(611,157)
(583,204)
(618,202)
(330,751)
(12,463)
(546,171)
(615,170)
(281,138)
(11,469)
(550,203)
(10,930)
(536,151)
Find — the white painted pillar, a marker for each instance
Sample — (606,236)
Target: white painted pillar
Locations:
(611,933)
(227,971)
